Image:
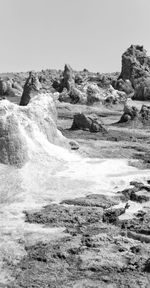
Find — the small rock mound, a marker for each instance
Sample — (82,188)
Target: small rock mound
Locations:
(84,122)
(31,88)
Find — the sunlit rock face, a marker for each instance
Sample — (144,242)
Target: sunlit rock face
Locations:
(23,130)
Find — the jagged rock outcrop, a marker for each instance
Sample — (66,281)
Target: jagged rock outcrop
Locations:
(132,115)
(67,80)
(68,88)
(135,64)
(25,129)
(68,77)
(31,88)
(84,122)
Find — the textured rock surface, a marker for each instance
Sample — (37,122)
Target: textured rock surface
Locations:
(85,122)
(135,64)
(94,200)
(93,254)
(31,88)
(124,85)
(22,127)
(68,77)
(142,91)
(73,96)
(132,115)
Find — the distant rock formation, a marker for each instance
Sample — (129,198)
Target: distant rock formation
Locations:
(133,115)
(84,122)
(73,96)
(10,88)
(68,77)
(93,94)
(31,88)
(25,129)
(67,81)
(135,64)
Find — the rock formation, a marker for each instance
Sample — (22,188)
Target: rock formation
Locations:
(142,91)
(135,64)
(3,87)
(111,214)
(133,115)
(123,85)
(21,129)
(93,94)
(10,88)
(31,88)
(73,96)
(68,77)
(84,122)
(67,80)
(130,114)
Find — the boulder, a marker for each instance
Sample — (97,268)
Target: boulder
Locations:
(84,122)
(31,88)
(24,130)
(135,65)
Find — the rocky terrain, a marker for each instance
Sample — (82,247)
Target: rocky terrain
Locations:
(75,178)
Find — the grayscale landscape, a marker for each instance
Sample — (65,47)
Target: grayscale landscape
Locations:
(75,175)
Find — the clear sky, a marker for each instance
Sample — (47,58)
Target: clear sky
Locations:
(92,34)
